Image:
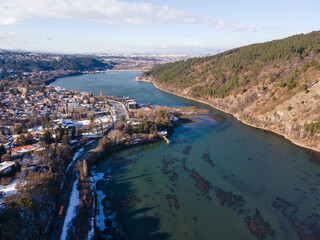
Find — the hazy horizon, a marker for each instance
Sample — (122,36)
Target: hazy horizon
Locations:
(150,26)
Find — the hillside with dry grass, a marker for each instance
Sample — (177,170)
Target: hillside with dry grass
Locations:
(273,86)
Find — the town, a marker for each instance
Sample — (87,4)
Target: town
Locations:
(50,136)
(45,130)
(32,119)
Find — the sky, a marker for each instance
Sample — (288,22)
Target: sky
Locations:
(151,26)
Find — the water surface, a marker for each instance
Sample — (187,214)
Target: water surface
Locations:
(211,181)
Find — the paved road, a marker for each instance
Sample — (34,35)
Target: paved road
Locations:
(120,108)
(64,197)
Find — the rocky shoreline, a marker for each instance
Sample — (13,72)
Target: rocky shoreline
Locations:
(240,117)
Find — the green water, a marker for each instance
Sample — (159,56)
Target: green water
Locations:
(265,170)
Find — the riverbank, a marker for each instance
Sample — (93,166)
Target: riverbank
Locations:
(247,121)
(91,199)
(158,191)
(124,135)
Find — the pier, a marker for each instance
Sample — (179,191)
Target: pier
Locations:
(166,139)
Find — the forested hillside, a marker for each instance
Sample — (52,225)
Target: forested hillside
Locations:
(273,85)
(240,68)
(64,63)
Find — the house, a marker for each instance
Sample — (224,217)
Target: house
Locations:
(27,149)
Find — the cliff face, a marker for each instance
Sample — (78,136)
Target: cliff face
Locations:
(267,107)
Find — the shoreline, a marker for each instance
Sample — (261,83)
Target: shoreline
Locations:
(241,120)
(292,141)
(125,70)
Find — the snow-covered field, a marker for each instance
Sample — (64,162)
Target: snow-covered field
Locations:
(72,210)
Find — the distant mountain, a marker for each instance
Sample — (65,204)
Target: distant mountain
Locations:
(273,85)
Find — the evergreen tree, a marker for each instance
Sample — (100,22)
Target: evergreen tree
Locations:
(47,137)
(73,132)
(45,121)
(2,150)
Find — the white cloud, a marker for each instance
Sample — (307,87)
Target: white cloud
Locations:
(10,39)
(6,36)
(134,30)
(106,11)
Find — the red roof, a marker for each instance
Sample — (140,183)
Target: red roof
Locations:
(24,149)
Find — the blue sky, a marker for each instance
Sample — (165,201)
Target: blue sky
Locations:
(150,26)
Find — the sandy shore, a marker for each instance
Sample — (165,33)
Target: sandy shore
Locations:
(293,141)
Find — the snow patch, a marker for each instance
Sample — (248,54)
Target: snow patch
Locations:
(102,213)
(100,216)
(103,119)
(72,210)
(88,143)
(98,176)
(37,129)
(9,189)
(91,232)
(75,157)
(91,135)
(83,123)
(4,166)
(100,196)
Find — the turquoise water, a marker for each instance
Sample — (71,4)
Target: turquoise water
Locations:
(181,191)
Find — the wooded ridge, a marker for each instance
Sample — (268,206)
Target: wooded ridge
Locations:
(272,85)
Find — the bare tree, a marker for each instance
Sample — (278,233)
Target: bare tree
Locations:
(115,136)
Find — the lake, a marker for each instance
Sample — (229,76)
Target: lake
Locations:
(216,179)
